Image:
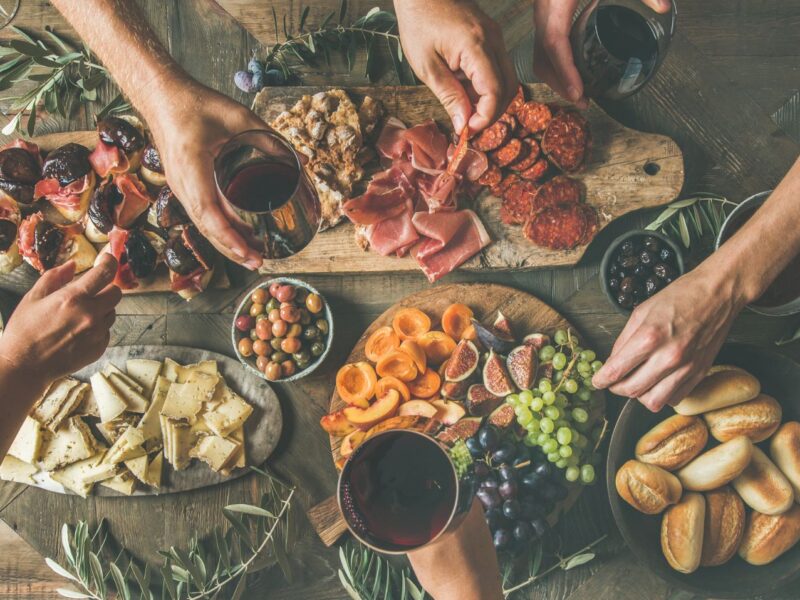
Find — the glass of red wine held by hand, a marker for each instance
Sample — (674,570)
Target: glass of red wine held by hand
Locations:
(262,179)
(618,45)
(400,491)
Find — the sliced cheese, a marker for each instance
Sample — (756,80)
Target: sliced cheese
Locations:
(145,373)
(28,443)
(180,374)
(111,369)
(138,466)
(109,403)
(57,403)
(215,451)
(74,400)
(134,401)
(71,443)
(88,406)
(13,469)
(111,430)
(124,483)
(127,446)
(229,414)
(150,425)
(179,441)
(154,471)
(239,459)
(185,400)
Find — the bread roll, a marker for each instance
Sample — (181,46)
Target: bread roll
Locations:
(767,537)
(723,527)
(757,419)
(763,487)
(785,451)
(718,466)
(673,442)
(682,533)
(725,385)
(647,488)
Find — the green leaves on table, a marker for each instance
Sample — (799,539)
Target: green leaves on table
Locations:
(63,76)
(366,575)
(692,219)
(259,537)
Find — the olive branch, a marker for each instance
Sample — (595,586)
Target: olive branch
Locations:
(692,218)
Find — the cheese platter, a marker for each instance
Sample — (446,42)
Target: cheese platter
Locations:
(100,426)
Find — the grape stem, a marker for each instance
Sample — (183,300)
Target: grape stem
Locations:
(562,562)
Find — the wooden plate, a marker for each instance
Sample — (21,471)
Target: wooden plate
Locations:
(780,378)
(262,429)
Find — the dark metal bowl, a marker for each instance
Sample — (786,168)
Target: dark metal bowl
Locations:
(612,249)
(779,377)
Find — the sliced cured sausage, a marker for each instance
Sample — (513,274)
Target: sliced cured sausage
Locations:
(506,182)
(491,176)
(530,158)
(534,116)
(508,153)
(559,227)
(491,138)
(516,102)
(517,203)
(536,171)
(566,139)
(559,190)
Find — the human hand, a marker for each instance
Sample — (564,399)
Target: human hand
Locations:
(461,564)
(62,325)
(189,129)
(672,339)
(447,41)
(552,59)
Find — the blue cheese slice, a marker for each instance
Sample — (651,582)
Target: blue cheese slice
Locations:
(28,443)
(134,400)
(13,469)
(145,373)
(215,451)
(110,404)
(71,443)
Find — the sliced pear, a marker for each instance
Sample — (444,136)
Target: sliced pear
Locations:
(28,443)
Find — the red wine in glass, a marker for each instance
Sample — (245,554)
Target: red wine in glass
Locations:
(399,491)
(262,186)
(618,45)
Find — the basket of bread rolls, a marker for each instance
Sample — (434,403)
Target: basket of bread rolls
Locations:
(708,492)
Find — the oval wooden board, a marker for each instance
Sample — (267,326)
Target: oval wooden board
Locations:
(262,429)
(614,176)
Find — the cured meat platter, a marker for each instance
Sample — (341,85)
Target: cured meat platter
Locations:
(626,170)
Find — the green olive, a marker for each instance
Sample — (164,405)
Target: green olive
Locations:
(311,333)
(302,358)
(278,357)
(317,348)
(273,304)
(322,325)
(253,335)
(261,317)
(276,343)
(300,295)
(305,317)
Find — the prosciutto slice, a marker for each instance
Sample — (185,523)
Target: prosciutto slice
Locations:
(450,239)
(386,197)
(395,234)
(428,147)
(67,197)
(26,242)
(391,142)
(124,279)
(106,159)
(135,200)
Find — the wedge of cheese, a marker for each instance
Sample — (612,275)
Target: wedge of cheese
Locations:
(110,369)
(149,424)
(13,469)
(124,483)
(109,402)
(114,428)
(127,446)
(28,443)
(138,466)
(215,451)
(59,402)
(71,443)
(178,441)
(134,400)
(229,414)
(180,374)
(239,459)
(145,373)
(88,406)
(154,469)
(185,400)
(81,476)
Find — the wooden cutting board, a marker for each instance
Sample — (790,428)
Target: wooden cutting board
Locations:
(627,170)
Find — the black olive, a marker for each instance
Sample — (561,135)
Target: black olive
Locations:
(627,285)
(142,257)
(21,192)
(629,262)
(613,284)
(118,132)
(19,166)
(8,235)
(640,271)
(666,254)
(622,273)
(624,300)
(179,258)
(47,239)
(652,244)
(67,163)
(652,285)
(646,257)
(627,248)
(638,294)
(612,270)
(152,159)
(169,211)
(664,271)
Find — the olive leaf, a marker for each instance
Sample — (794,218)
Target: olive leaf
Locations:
(788,339)
(693,219)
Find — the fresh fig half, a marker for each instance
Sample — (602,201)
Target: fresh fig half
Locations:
(455,390)
(465,428)
(503,416)
(502,325)
(537,340)
(496,377)
(492,339)
(463,362)
(521,365)
(480,401)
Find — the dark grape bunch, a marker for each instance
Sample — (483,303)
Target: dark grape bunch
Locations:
(516,486)
(556,413)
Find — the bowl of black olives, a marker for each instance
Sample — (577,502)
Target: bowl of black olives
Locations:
(637,265)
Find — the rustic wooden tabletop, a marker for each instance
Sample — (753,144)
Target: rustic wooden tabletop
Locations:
(729,80)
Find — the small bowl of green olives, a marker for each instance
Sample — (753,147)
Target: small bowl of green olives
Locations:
(637,265)
(282,330)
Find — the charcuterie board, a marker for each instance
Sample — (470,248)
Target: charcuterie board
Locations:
(262,430)
(627,170)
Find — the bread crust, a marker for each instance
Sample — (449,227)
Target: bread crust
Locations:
(682,533)
(718,466)
(763,487)
(757,419)
(784,448)
(724,385)
(673,443)
(766,537)
(647,488)
(723,527)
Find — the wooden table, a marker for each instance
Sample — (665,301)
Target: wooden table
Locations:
(731,66)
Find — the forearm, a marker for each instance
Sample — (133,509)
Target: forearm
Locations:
(118,34)
(751,260)
(18,395)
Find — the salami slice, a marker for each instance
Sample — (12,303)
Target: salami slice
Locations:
(566,139)
(518,100)
(507,182)
(536,171)
(509,120)
(494,136)
(559,227)
(530,158)
(507,153)
(559,190)
(491,176)
(591,222)
(534,116)
(517,203)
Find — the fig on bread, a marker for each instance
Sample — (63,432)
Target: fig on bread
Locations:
(119,201)
(68,181)
(20,170)
(45,245)
(152,170)
(167,211)
(190,258)
(138,253)
(119,149)
(10,217)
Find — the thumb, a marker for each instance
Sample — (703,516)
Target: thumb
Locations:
(660,6)
(450,92)
(53,280)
